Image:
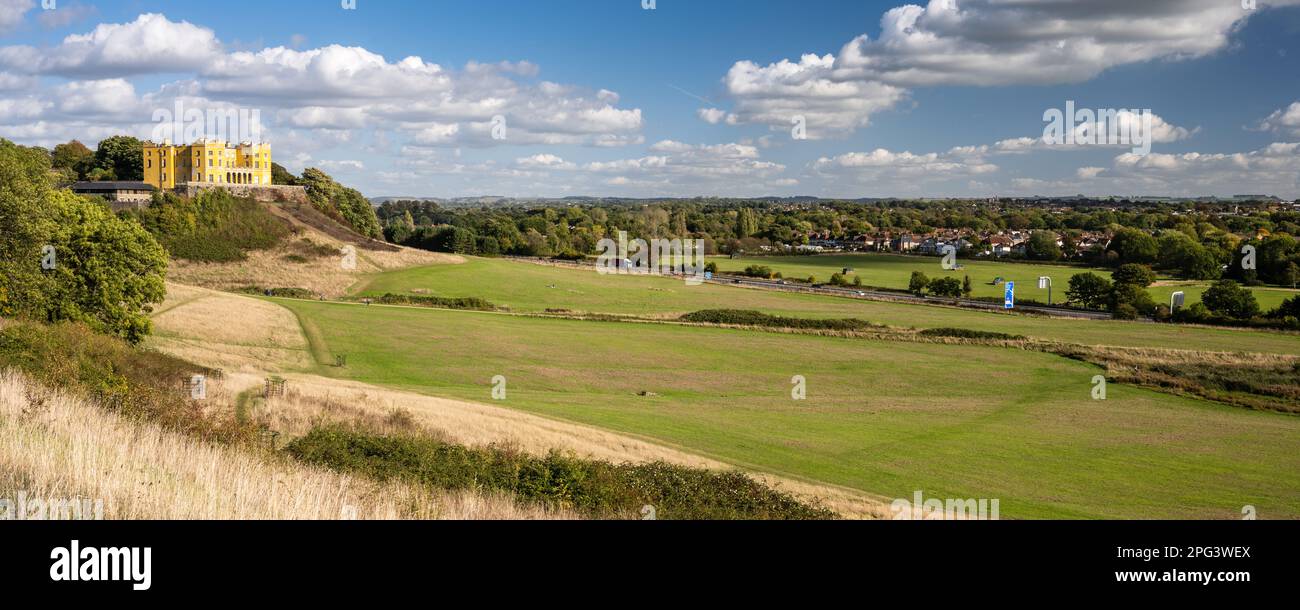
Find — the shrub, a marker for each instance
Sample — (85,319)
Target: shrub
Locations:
(134,383)
(741,317)
(214,226)
(472,303)
(760,271)
(286,293)
(596,488)
(963,333)
(946,287)
(1125,311)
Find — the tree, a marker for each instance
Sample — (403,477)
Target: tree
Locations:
(746,223)
(121,155)
(1201,264)
(1125,296)
(1042,247)
(946,287)
(1229,299)
(280,175)
(1089,290)
(1289,307)
(1291,275)
(106,271)
(918,283)
(73,156)
(966,287)
(109,271)
(341,203)
(1134,246)
(1137,275)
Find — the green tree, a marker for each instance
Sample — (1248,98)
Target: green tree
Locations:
(1042,247)
(73,156)
(1089,290)
(1137,275)
(341,203)
(280,175)
(1229,299)
(121,155)
(946,287)
(1289,307)
(1125,296)
(746,223)
(105,272)
(1134,246)
(918,283)
(966,287)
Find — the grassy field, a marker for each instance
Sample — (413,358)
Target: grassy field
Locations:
(887,418)
(894,271)
(529,287)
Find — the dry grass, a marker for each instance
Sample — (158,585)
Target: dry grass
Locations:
(228,331)
(53,445)
(275,268)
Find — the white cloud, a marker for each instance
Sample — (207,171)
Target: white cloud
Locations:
(1285,120)
(977,43)
(12,13)
(332,87)
(713,116)
(776,94)
(150,44)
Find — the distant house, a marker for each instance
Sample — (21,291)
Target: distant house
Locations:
(120,194)
(1000,245)
(905,243)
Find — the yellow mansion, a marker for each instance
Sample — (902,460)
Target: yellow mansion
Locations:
(206,162)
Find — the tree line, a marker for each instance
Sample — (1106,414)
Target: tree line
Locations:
(1196,245)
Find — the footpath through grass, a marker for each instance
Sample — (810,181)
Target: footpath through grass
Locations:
(888,418)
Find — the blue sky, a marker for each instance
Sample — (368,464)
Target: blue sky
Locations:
(603,97)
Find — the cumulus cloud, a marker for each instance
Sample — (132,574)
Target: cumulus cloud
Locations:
(1273,169)
(12,13)
(1285,120)
(962,161)
(977,43)
(150,44)
(713,116)
(332,87)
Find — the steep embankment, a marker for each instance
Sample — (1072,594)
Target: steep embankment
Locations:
(316,254)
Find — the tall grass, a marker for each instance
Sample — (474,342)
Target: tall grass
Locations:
(54,444)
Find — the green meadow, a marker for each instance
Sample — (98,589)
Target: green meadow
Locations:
(884,417)
(527,287)
(895,271)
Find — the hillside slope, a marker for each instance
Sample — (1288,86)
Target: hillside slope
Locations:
(311,257)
